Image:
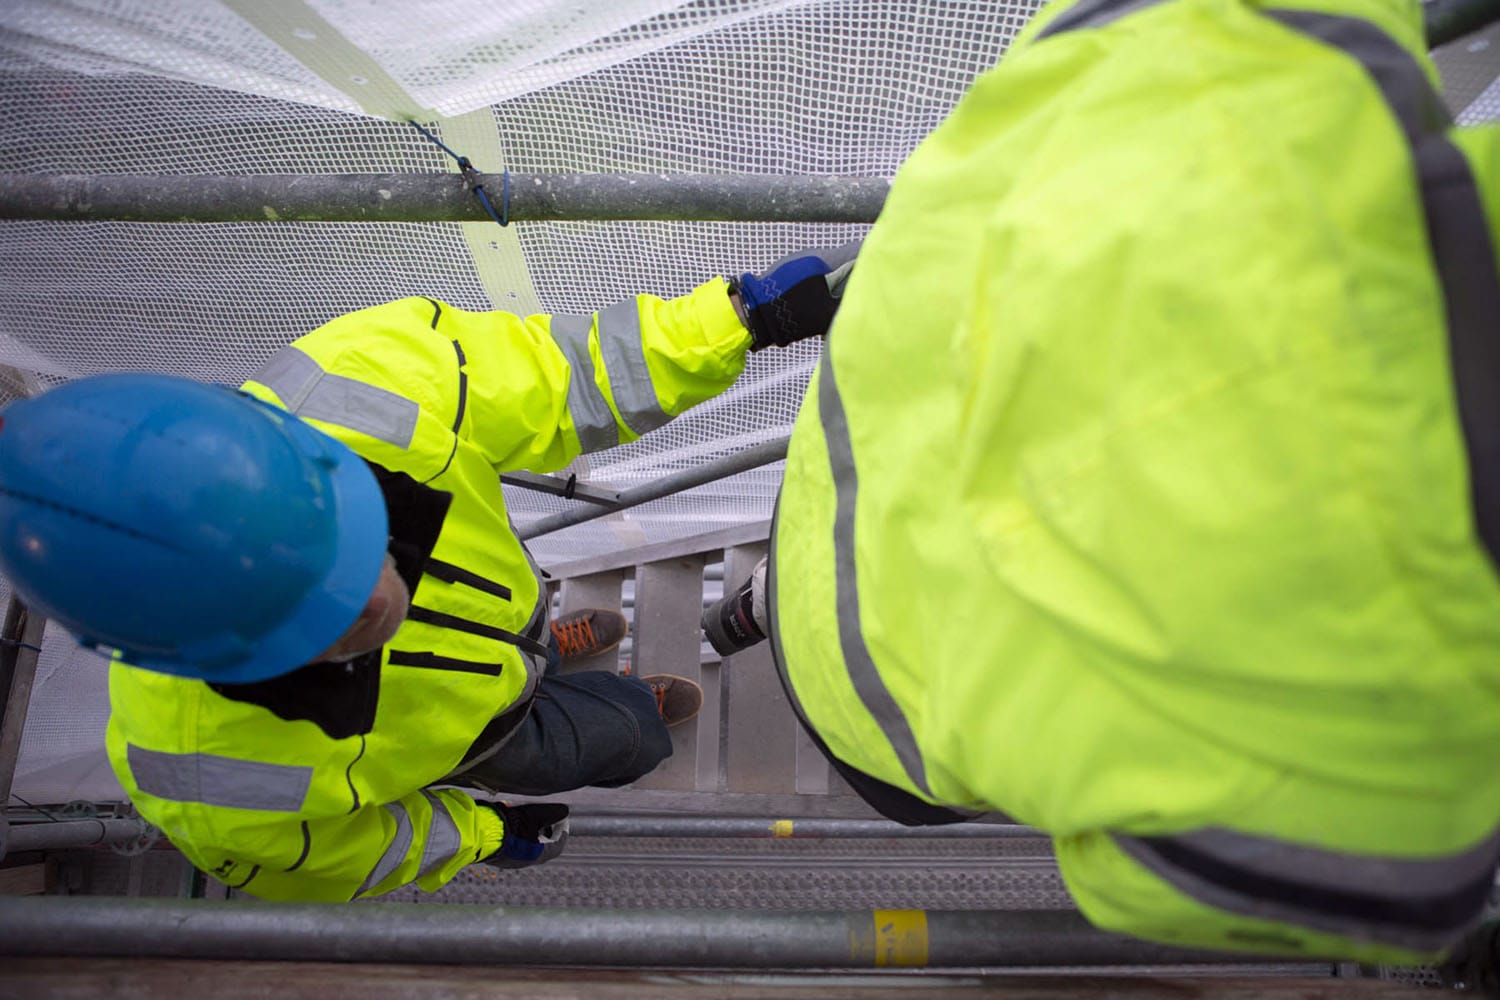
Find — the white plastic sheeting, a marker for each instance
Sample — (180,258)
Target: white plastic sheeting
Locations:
(423,58)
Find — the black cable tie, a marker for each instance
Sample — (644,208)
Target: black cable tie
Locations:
(20,645)
(568,486)
(471,176)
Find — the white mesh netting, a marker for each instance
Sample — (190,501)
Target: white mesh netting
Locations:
(190,87)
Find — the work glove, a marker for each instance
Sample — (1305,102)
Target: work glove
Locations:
(534,834)
(797,297)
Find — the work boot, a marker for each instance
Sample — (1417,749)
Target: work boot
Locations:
(738,620)
(588,632)
(677,698)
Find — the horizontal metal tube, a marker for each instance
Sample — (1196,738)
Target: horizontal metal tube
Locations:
(722,468)
(394,932)
(65,834)
(559,487)
(440,197)
(584,825)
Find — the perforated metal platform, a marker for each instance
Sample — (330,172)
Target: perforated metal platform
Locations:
(642,873)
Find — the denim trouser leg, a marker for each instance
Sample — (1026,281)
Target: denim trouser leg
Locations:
(592,727)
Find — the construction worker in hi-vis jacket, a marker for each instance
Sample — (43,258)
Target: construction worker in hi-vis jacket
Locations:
(314,601)
(1148,490)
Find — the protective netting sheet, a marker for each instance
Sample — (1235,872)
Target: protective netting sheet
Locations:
(62,749)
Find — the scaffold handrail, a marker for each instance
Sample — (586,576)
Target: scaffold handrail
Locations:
(439,197)
(504,935)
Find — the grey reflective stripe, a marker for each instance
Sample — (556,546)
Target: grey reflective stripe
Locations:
(308,391)
(1338,870)
(394,854)
(625,362)
(1463,248)
(1394,70)
(536,667)
(536,626)
(219,781)
(1420,904)
(443,838)
(1093,14)
(863,673)
(587,406)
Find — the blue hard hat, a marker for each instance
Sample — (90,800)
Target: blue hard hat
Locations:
(186,528)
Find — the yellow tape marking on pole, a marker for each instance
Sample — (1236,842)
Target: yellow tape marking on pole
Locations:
(781,828)
(900,938)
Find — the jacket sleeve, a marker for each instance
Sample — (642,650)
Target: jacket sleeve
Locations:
(542,389)
(425,837)
(397,382)
(1118,893)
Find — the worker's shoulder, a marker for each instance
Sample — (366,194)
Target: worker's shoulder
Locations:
(153,709)
(390,344)
(414,318)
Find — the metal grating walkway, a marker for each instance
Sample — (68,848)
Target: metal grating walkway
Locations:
(739,874)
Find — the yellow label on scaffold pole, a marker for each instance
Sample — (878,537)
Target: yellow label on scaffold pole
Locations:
(900,938)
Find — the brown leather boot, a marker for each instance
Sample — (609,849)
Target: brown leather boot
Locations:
(588,632)
(677,698)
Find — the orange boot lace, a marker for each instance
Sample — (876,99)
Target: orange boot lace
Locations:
(575,638)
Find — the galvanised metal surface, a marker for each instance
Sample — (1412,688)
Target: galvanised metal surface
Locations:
(94,977)
(441,197)
(385,932)
(657,825)
(665,615)
(56,836)
(786,875)
(741,461)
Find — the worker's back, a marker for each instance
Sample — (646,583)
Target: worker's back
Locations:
(1133,497)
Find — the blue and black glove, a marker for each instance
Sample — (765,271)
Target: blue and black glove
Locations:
(797,297)
(534,834)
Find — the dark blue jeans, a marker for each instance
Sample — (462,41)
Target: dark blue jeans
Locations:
(592,727)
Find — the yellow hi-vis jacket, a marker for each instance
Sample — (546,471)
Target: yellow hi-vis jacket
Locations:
(289,796)
(1147,489)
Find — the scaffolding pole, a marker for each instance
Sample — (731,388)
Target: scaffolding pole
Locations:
(742,461)
(69,834)
(74,833)
(440,198)
(620,825)
(20,648)
(408,933)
